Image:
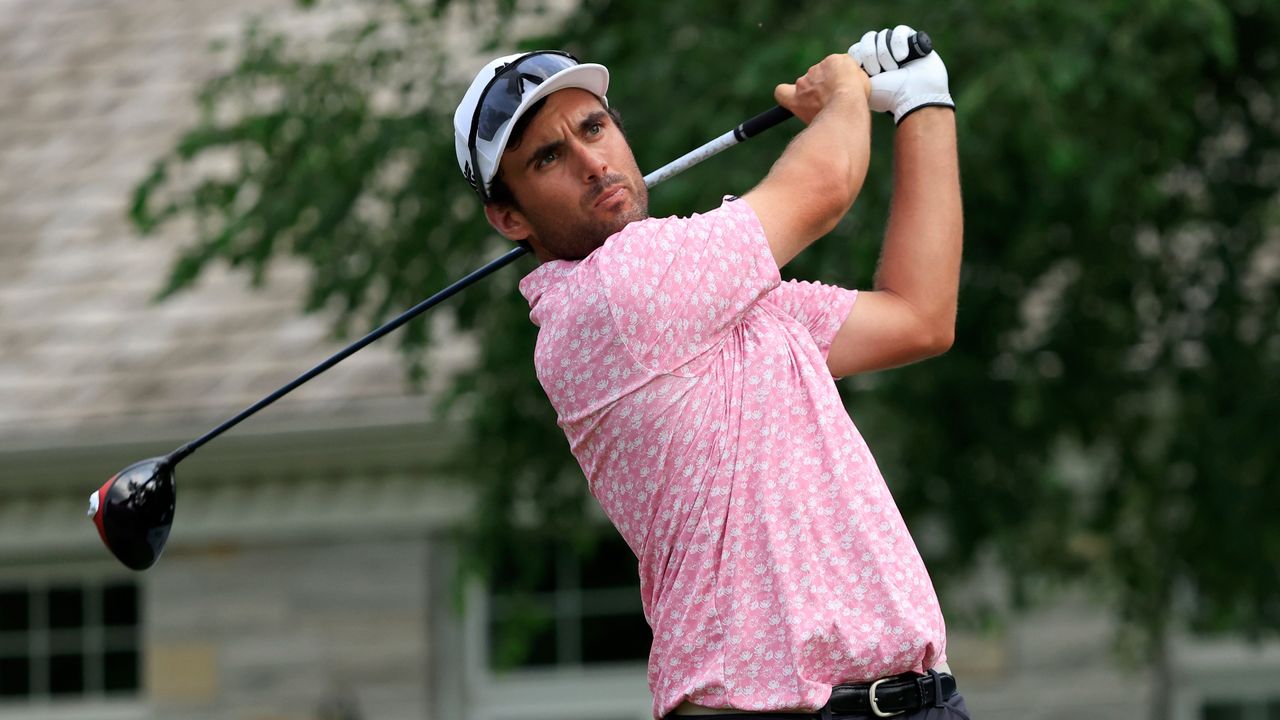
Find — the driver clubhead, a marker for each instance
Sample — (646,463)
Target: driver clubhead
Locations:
(133,511)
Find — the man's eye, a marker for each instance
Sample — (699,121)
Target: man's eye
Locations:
(546,159)
(596,128)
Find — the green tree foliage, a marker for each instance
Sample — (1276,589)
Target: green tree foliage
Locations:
(1108,410)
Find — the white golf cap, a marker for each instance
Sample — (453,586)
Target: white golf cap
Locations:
(501,92)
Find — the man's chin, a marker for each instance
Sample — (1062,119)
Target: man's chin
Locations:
(624,213)
(629,212)
(577,243)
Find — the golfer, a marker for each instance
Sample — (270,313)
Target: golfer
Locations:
(696,387)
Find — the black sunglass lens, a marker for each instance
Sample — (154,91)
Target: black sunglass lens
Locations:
(492,115)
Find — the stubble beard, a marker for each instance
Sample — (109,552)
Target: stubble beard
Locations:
(574,238)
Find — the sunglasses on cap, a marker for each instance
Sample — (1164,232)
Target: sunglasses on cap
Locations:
(501,98)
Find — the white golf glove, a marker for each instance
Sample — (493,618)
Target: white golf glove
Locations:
(901,87)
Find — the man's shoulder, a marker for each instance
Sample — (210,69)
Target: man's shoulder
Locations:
(545,278)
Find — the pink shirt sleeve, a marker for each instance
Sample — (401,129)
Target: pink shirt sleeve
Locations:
(676,286)
(822,309)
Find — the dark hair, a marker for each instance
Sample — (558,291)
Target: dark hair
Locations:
(498,190)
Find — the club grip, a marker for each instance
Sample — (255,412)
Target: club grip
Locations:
(758,124)
(918,45)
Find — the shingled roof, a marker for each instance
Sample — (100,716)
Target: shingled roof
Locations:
(90,95)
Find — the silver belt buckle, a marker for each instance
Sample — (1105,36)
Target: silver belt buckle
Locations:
(876,708)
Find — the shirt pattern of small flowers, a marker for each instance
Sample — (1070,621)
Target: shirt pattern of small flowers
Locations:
(691,383)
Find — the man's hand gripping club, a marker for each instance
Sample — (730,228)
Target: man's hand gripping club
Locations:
(822,85)
(900,83)
(816,180)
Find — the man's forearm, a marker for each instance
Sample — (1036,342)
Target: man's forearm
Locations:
(811,186)
(834,150)
(920,261)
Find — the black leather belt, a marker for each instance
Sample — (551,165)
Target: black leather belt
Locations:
(893,695)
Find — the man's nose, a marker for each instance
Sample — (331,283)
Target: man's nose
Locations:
(591,160)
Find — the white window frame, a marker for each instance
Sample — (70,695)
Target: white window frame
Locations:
(609,691)
(92,705)
(464,686)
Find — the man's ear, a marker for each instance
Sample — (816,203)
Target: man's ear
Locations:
(509,221)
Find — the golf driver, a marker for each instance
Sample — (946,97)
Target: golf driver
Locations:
(134,510)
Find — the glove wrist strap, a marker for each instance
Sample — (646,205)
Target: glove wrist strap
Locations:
(913,104)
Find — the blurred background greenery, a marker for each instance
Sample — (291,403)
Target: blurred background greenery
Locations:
(1107,415)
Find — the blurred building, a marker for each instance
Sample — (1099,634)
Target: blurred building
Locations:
(311,572)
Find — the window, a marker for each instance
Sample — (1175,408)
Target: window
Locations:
(557,634)
(69,640)
(584,609)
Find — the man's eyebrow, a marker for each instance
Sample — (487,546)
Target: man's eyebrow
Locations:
(542,150)
(595,118)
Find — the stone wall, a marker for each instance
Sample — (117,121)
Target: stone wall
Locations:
(332,630)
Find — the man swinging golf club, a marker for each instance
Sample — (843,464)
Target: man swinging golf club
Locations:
(695,387)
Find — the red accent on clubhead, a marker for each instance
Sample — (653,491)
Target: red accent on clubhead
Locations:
(102,509)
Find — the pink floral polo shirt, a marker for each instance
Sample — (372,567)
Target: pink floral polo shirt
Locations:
(693,388)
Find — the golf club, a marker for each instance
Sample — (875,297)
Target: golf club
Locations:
(134,510)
